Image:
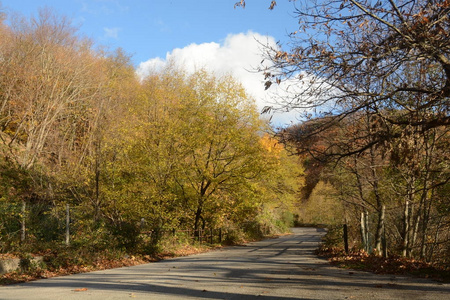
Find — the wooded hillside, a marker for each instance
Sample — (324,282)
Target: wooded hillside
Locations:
(91,156)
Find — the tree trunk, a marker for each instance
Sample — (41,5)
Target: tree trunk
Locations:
(436,238)
(346,238)
(365,230)
(405,242)
(368,249)
(379,204)
(97,184)
(198,215)
(415,230)
(379,232)
(425,221)
(384,241)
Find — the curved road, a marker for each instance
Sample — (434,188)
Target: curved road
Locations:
(282,268)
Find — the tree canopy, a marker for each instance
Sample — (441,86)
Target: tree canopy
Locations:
(389,57)
(92,155)
(372,80)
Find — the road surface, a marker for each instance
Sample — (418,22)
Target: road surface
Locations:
(281,268)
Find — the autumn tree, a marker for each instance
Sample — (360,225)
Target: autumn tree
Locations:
(59,99)
(201,138)
(280,188)
(46,72)
(387,61)
(223,126)
(351,56)
(188,153)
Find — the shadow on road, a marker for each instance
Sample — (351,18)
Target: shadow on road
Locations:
(283,268)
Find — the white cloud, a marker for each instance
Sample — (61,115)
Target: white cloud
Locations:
(238,55)
(111,32)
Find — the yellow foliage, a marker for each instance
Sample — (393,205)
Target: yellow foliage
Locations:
(322,207)
(271,145)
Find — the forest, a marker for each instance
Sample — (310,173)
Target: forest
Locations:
(374,139)
(92,156)
(94,159)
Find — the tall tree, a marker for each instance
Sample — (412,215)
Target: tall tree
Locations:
(210,138)
(47,74)
(389,60)
(354,55)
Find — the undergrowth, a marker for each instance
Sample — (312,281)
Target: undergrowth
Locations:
(357,259)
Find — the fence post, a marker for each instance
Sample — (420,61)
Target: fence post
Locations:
(23,228)
(67,224)
(346,238)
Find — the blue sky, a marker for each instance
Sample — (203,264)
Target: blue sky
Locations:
(200,33)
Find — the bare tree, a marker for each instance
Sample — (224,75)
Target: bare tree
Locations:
(47,75)
(353,55)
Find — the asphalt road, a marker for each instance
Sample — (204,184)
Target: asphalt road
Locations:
(282,268)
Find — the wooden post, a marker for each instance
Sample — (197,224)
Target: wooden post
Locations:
(346,238)
(23,228)
(67,225)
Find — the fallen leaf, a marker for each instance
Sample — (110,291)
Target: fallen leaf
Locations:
(80,290)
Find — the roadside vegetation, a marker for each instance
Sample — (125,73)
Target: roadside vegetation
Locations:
(332,248)
(372,79)
(98,166)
